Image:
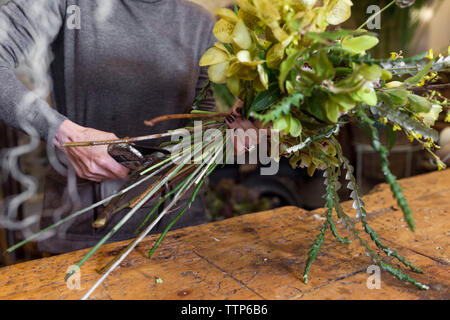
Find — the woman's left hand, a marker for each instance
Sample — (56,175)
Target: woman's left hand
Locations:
(245,134)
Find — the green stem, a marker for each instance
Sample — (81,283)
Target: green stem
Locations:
(394,271)
(205,173)
(167,178)
(83,211)
(310,140)
(376,14)
(156,207)
(184,187)
(163,235)
(201,96)
(363,217)
(314,251)
(152,212)
(390,178)
(331,205)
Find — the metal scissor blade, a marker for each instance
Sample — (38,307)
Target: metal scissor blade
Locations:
(136,157)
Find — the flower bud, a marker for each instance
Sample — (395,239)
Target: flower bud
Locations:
(394,84)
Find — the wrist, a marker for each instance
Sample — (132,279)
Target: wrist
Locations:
(66,133)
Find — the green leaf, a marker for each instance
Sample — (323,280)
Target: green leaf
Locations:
(223,95)
(359,44)
(343,71)
(316,105)
(398,96)
(385,75)
(419,104)
(266,98)
(295,129)
(287,65)
(281,108)
(282,124)
(366,95)
(322,66)
(386,99)
(328,36)
(371,73)
(365,128)
(344,101)
(391,136)
(422,73)
(229,48)
(332,111)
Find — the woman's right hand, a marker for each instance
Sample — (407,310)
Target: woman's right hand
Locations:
(90,163)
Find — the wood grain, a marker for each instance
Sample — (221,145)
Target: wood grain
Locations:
(262,256)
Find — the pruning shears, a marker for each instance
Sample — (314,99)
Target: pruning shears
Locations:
(136,157)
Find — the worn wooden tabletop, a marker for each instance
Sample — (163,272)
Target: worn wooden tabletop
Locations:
(262,256)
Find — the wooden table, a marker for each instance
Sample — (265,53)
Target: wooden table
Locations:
(262,256)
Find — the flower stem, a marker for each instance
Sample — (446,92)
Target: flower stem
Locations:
(180,193)
(376,14)
(83,211)
(126,140)
(157,120)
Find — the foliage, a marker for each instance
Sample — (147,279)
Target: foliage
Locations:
(291,71)
(305,80)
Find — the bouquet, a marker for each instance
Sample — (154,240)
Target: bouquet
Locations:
(305,78)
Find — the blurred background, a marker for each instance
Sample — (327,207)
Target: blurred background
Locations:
(240,189)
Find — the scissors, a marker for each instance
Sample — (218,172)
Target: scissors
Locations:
(136,157)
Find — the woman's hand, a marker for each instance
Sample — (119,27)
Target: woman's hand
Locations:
(245,134)
(444,151)
(90,163)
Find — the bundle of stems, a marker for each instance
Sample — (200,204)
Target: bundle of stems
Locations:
(186,169)
(191,162)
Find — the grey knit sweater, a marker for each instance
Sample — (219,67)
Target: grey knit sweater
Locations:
(116,63)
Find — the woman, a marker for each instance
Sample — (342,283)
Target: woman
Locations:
(116,63)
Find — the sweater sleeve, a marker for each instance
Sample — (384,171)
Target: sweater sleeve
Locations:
(27,27)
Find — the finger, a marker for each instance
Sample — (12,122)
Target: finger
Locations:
(80,169)
(245,140)
(116,169)
(97,168)
(237,108)
(93,178)
(94,166)
(245,124)
(236,122)
(247,132)
(238,145)
(91,170)
(230,121)
(110,169)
